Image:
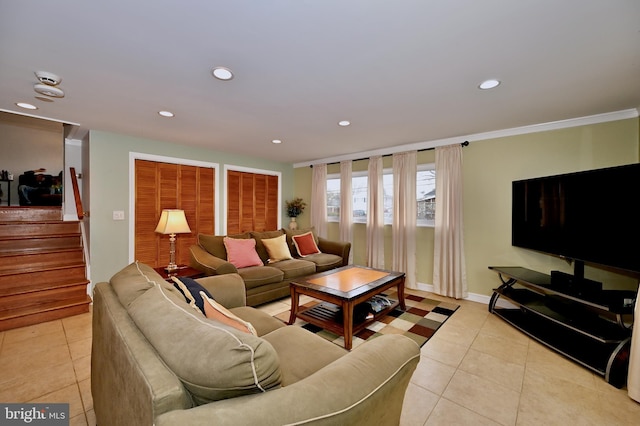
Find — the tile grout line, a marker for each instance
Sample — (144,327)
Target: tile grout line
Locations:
(75,373)
(440,397)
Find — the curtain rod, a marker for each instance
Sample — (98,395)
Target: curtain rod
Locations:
(463,144)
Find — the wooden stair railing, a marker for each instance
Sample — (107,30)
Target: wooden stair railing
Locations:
(76,193)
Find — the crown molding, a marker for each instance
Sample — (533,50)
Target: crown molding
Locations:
(534,128)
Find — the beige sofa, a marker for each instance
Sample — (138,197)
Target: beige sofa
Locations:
(269,281)
(155,360)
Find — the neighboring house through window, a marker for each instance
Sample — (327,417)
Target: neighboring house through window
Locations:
(425,188)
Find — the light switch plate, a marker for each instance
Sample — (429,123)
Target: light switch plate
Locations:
(118,215)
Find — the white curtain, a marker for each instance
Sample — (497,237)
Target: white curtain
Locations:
(449,272)
(346,205)
(375,214)
(405,215)
(319,199)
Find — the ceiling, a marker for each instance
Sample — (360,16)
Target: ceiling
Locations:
(402,72)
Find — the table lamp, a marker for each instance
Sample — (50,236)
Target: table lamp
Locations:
(172,222)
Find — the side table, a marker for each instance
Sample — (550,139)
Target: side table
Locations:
(182,271)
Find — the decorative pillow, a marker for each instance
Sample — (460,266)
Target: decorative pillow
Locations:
(291,232)
(214,244)
(242,253)
(215,311)
(264,235)
(192,292)
(305,244)
(213,361)
(277,248)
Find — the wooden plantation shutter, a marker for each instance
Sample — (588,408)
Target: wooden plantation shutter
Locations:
(146,211)
(260,188)
(161,186)
(252,202)
(234,194)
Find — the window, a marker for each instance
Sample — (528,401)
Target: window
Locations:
(333,199)
(425,194)
(359,190)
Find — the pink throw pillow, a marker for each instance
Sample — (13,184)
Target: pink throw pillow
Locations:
(215,311)
(242,252)
(305,244)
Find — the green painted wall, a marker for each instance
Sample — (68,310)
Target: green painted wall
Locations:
(489,168)
(109,188)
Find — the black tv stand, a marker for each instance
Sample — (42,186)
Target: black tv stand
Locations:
(574,285)
(588,327)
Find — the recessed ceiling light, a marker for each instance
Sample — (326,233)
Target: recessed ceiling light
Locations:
(344,123)
(166,113)
(276,141)
(222,73)
(489,84)
(26,105)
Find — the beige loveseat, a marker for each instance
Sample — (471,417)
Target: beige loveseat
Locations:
(268,281)
(155,360)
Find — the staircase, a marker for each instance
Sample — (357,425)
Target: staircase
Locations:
(42,267)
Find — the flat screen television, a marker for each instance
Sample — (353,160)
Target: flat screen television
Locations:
(588,217)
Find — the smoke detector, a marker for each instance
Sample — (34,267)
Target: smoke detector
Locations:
(46,90)
(48,78)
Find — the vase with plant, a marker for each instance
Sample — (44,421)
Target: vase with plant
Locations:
(295,208)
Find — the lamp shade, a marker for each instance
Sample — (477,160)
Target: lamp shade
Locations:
(173,221)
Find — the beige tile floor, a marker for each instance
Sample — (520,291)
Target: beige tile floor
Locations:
(49,362)
(476,370)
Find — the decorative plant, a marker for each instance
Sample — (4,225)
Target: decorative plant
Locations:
(295,207)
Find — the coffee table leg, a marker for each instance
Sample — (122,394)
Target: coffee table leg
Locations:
(295,300)
(347,324)
(403,306)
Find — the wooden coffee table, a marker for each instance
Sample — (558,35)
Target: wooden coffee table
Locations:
(345,287)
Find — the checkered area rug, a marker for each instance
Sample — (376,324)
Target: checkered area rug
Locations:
(419,322)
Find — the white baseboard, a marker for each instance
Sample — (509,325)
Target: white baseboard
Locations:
(473,297)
